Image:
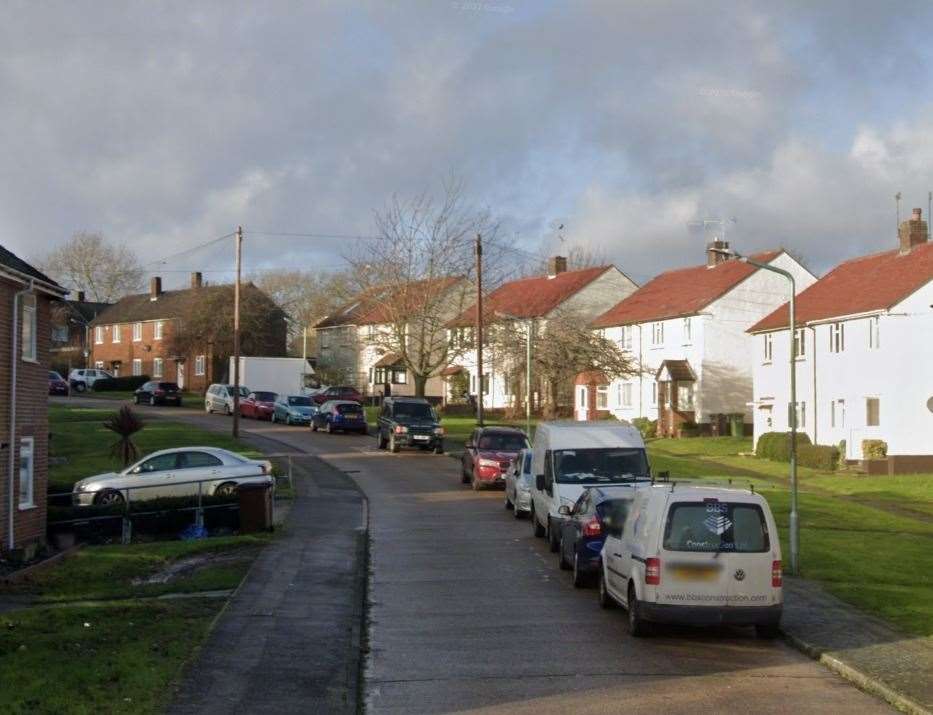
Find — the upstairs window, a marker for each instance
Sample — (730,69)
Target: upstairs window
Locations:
(837,337)
(99,334)
(874,333)
(767,342)
(800,344)
(137,332)
(657,333)
(625,394)
(627,336)
(157,330)
(688,330)
(116,333)
(28,334)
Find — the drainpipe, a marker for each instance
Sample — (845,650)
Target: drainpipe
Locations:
(641,375)
(11,447)
(816,402)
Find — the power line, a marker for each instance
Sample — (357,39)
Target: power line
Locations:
(337,236)
(190,250)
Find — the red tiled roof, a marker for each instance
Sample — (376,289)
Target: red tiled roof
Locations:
(861,285)
(532,297)
(684,291)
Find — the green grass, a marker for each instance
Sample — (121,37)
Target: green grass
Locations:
(189,399)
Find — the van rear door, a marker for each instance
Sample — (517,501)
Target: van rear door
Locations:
(750,563)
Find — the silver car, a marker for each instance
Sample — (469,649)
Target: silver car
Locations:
(174,473)
(219,398)
(518,481)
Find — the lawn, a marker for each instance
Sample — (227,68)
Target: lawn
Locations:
(188,399)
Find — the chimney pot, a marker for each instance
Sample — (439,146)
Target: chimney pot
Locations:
(155,287)
(912,233)
(713,256)
(196,279)
(556,265)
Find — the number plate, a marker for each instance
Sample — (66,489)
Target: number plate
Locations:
(695,573)
(352,417)
(420,437)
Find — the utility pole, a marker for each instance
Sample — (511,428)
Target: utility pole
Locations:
(236,334)
(531,327)
(479,329)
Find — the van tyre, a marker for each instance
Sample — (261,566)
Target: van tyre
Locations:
(552,538)
(536,527)
(637,625)
(605,600)
(767,631)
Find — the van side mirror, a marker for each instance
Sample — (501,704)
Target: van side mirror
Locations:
(539,482)
(564,510)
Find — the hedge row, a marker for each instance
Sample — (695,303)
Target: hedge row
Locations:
(776,445)
(818,456)
(648,428)
(114,384)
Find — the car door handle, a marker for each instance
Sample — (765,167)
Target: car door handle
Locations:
(618,556)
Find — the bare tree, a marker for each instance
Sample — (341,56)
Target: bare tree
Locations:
(418,275)
(87,262)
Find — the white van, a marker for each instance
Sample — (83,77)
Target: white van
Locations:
(568,457)
(697,555)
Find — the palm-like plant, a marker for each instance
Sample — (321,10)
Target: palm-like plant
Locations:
(125,424)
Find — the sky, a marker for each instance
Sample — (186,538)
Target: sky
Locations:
(165,125)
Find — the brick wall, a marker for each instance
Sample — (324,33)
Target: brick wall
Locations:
(31,417)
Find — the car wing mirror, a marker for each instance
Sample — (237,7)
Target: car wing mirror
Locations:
(564,510)
(539,482)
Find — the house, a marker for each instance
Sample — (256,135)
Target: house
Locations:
(150,333)
(515,305)
(358,343)
(71,343)
(26,298)
(863,347)
(686,331)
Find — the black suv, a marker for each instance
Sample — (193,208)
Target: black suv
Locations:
(409,422)
(158,393)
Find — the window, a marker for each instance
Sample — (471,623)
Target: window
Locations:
(627,336)
(60,334)
(654,394)
(602,397)
(325,339)
(99,364)
(26,465)
(137,366)
(625,394)
(199,365)
(872,411)
(874,333)
(837,413)
(657,333)
(837,337)
(801,415)
(715,526)
(688,330)
(685,396)
(28,334)
(99,334)
(800,344)
(116,333)
(137,332)
(767,341)
(157,330)
(400,376)
(193,460)
(157,367)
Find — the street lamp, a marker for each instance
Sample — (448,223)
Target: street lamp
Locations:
(529,327)
(794,520)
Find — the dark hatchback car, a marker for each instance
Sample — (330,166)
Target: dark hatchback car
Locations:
(57,385)
(339,416)
(488,454)
(158,393)
(409,422)
(340,392)
(583,529)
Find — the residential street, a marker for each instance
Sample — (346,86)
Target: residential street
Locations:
(469,611)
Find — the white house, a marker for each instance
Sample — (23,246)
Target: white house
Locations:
(686,329)
(518,304)
(864,363)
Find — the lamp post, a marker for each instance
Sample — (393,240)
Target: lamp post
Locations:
(794,514)
(529,328)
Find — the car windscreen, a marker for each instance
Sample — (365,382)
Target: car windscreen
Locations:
(502,442)
(299,401)
(413,411)
(264,396)
(712,526)
(171,386)
(600,465)
(526,469)
(346,409)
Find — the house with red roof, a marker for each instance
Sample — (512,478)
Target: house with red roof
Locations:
(686,330)
(863,345)
(530,302)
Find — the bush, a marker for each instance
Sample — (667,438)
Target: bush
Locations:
(115,384)
(842,454)
(818,456)
(776,445)
(689,429)
(874,449)
(648,428)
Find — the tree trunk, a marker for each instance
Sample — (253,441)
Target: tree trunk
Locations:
(421,382)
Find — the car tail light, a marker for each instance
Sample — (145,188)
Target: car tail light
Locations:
(653,572)
(592,528)
(777,574)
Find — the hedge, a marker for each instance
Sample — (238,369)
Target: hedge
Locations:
(648,428)
(114,384)
(776,445)
(874,449)
(818,456)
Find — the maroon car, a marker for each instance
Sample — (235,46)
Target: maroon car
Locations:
(488,453)
(341,392)
(258,405)
(57,386)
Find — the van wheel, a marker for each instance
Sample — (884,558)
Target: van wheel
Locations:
(637,625)
(767,631)
(393,445)
(536,525)
(579,577)
(381,441)
(552,542)
(605,600)
(561,560)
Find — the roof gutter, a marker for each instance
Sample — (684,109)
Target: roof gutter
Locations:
(11,446)
(33,282)
(825,321)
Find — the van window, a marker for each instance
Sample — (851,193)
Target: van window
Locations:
(712,525)
(614,513)
(600,465)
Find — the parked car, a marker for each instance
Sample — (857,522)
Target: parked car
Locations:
(219,398)
(583,531)
(571,456)
(700,555)
(259,405)
(83,379)
(57,385)
(340,392)
(409,422)
(488,453)
(158,393)
(518,480)
(340,415)
(174,473)
(293,409)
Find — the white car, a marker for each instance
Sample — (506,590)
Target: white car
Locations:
(569,457)
(174,473)
(697,555)
(219,398)
(83,379)
(518,481)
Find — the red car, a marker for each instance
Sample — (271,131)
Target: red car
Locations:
(258,405)
(488,454)
(342,392)
(57,386)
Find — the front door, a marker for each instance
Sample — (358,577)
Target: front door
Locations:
(180,367)
(582,408)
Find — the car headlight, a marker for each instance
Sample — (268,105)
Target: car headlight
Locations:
(439,431)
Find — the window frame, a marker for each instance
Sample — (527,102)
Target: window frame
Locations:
(136,367)
(657,333)
(800,343)
(158,367)
(874,332)
(31,502)
(200,365)
(837,337)
(688,330)
(137,332)
(29,348)
(768,348)
(115,333)
(99,335)
(158,330)
(602,397)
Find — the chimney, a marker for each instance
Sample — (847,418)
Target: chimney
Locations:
(713,257)
(912,233)
(155,288)
(80,296)
(196,279)
(556,265)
